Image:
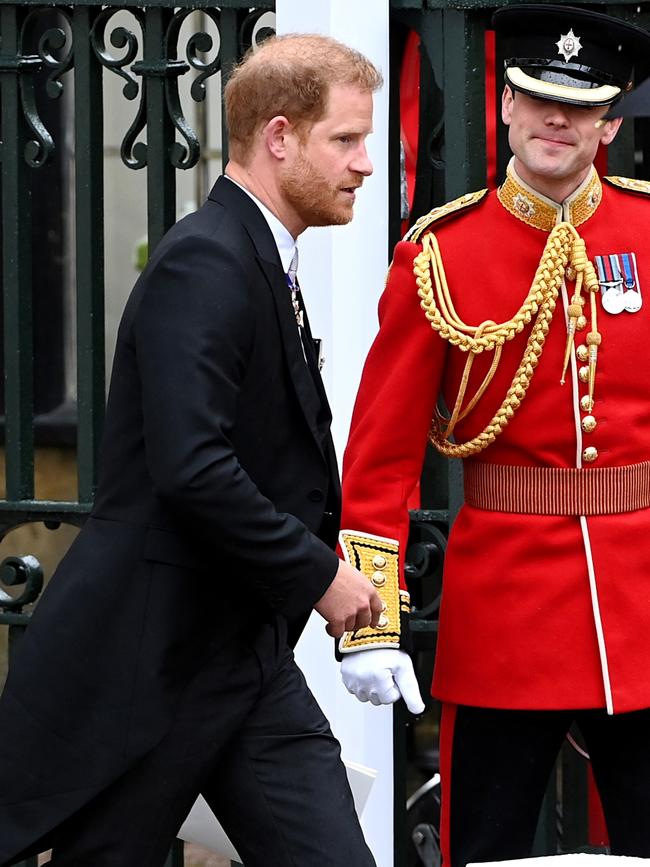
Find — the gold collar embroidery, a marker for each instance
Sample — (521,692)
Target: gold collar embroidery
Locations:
(543,213)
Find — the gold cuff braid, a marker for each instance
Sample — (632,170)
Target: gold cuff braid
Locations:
(378,559)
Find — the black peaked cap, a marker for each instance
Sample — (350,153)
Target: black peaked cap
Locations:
(569,54)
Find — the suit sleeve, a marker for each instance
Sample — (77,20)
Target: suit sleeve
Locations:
(385,452)
(193,331)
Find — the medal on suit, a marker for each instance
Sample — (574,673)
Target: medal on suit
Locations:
(300,319)
(619,282)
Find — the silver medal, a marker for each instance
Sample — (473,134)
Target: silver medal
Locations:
(614,299)
(633,301)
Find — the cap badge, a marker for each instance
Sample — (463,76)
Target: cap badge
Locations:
(568,45)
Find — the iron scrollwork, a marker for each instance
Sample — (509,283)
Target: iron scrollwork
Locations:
(27,65)
(52,41)
(16,571)
(249,37)
(39,150)
(26,570)
(201,43)
(134,154)
(185,154)
(120,38)
(185,157)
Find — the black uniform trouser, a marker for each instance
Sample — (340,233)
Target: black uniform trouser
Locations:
(496,764)
(277,785)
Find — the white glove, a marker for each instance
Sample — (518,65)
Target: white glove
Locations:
(382,676)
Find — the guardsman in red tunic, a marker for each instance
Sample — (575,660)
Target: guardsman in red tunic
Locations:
(528,308)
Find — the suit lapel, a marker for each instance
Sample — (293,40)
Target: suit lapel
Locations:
(309,390)
(325,414)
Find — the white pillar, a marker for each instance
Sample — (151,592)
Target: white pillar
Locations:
(342,274)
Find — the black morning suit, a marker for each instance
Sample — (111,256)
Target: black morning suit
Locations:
(157,662)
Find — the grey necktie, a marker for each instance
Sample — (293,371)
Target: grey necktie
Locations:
(292,282)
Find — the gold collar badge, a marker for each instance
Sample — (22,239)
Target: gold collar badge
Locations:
(543,213)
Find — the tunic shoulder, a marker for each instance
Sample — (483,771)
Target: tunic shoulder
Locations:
(455,207)
(630,185)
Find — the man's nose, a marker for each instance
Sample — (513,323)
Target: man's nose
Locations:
(557,115)
(361,162)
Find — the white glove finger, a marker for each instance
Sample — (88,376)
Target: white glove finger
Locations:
(408,686)
(368,675)
(352,676)
(385,687)
(388,695)
(356,688)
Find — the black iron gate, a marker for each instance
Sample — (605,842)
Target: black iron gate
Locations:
(55,61)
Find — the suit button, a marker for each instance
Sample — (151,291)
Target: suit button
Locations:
(316,496)
(378,579)
(383,622)
(590,454)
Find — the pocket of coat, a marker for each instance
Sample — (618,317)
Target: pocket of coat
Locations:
(160,546)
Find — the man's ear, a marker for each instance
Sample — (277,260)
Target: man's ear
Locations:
(507,100)
(274,135)
(610,128)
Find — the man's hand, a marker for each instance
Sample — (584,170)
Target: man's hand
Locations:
(381,676)
(350,602)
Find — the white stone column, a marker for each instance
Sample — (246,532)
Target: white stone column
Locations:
(342,273)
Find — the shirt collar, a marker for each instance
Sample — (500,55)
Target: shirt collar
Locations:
(283,238)
(543,213)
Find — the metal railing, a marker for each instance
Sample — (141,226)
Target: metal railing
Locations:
(61,54)
(55,61)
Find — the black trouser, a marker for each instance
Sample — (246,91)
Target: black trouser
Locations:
(496,764)
(278,786)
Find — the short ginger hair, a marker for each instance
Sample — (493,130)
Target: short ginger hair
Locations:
(290,76)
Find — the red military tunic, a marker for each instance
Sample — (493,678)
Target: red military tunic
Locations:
(538,611)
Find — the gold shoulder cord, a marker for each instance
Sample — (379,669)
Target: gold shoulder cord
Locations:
(564,256)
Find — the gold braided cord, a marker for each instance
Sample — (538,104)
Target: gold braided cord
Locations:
(564,253)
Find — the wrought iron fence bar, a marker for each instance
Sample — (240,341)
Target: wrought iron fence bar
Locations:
(89,194)
(157,4)
(11,618)
(31,862)
(45,507)
(490,4)
(16,257)
(464,97)
(401,842)
(228,32)
(161,183)
(431,167)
